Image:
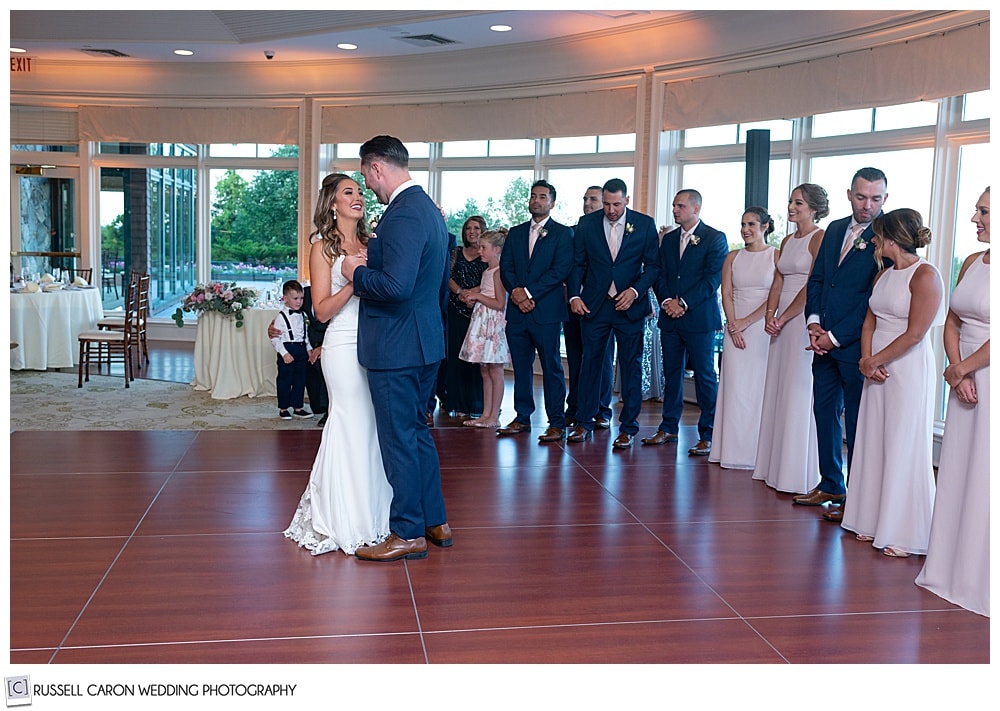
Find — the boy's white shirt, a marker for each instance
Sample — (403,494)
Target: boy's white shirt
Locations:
(297,333)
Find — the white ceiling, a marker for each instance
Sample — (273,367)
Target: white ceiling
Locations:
(244,35)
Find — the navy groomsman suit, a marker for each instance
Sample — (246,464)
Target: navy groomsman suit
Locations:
(595,275)
(693,279)
(543,275)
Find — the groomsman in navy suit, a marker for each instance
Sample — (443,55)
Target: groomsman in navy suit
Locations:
(836,304)
(615,255)
(691,258)
(534,265)
(401,343)
(593,201)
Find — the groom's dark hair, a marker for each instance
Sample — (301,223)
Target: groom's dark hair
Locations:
(388,148)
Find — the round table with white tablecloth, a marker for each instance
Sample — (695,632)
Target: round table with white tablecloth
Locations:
(230,361)
(46,326)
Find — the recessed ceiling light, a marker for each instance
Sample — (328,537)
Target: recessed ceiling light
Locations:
(346,45)
(17,49)
(183,52)
(501,28)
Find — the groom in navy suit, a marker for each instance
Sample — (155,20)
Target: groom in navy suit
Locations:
(534,265)
(836,304)
(615,266)
(691,259)
(401,343)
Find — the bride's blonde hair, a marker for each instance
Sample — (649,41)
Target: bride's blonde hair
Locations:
(326,220)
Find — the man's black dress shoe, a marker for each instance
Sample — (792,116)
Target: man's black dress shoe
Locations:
(579,434)
(603,422)
(322,420)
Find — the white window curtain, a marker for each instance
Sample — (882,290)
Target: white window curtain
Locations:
(605,111)
(142,124)
(31,125)
(948,64)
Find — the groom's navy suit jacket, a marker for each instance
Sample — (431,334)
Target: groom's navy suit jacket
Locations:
(401,343)
(400,323)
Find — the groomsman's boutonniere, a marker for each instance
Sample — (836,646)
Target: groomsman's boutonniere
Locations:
(859,243)
(629,228)
(542,232)
(693,242)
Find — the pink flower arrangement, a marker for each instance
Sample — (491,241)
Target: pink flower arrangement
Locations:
(221,297)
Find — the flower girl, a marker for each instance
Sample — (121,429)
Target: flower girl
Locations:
(485,342)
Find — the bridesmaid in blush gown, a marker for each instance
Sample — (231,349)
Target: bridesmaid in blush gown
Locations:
(891,487)
(346,503)
(958,556)
(787,459)
(747,275)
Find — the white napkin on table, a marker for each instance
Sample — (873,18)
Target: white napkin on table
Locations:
(54,286)
(79,281)
(30,287)
(47,279)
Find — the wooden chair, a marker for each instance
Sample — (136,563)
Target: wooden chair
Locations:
(87,274)
(116,346)
(109,271)
(140,316)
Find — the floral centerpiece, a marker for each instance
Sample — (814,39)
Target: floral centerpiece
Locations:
(222,297)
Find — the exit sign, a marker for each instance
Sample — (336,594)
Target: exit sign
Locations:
(20,64)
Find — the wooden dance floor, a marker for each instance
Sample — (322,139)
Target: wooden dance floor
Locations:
(167,547)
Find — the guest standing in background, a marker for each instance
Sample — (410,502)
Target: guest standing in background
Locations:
(464,392)
(319,400)
(615,266)
(486,343)
(691,259)
(572,335)
(836,303)
(958,556)
(534,267)
(786,447)
(891,488)
(747,275)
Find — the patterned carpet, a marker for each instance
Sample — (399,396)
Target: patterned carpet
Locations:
(51,401)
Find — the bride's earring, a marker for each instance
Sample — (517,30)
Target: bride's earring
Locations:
(334,211)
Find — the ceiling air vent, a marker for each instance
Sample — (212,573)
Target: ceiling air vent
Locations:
(105,52)
(426,40)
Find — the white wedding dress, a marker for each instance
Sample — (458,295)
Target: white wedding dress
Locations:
(346,503)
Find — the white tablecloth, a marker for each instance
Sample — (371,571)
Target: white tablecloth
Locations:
(47,325)
(229,361)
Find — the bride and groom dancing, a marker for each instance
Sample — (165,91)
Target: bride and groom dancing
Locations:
(375,487)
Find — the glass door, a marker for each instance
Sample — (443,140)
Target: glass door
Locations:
(44,220)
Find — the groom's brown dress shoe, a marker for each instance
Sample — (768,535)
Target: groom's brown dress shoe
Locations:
(552,434)
(513,428)
(439,535)
(660,437)
(818,498)
(579,434)
(394,548)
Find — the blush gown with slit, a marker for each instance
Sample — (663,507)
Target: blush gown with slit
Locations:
(958,556)
(346,503)
(741,380)
(890,493)
(787,458)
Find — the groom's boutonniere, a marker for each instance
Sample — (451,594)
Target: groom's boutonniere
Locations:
(859,243)
(542,232)
(693,242)
(629,228)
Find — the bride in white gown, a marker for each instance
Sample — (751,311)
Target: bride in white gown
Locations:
(346,503)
